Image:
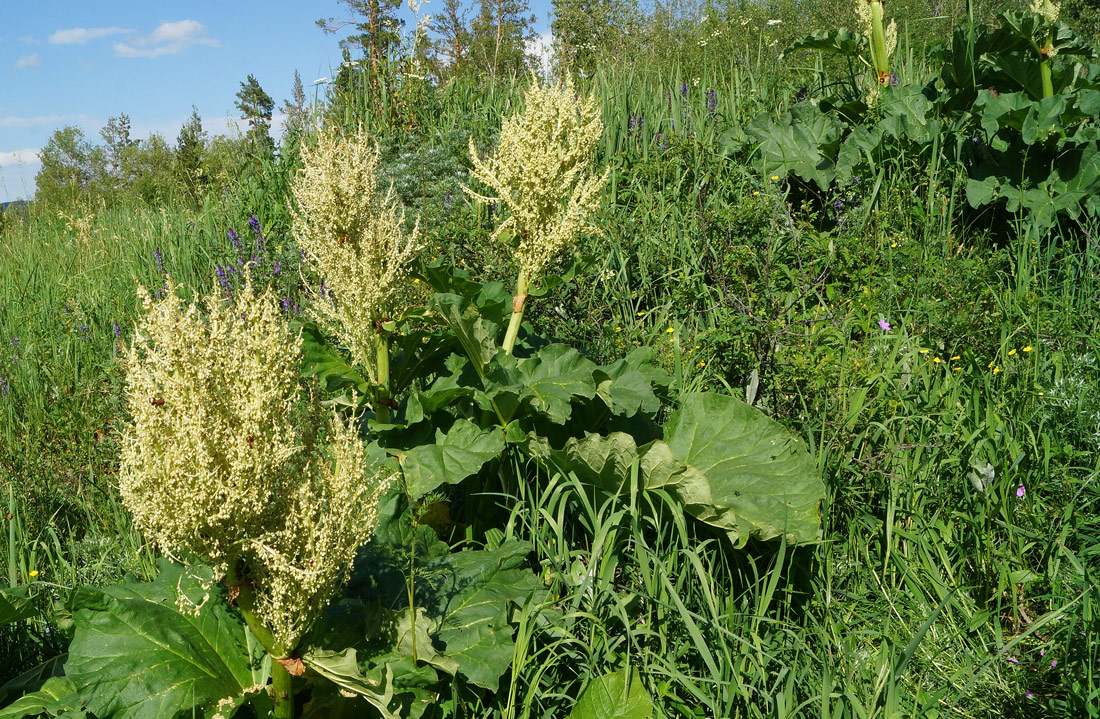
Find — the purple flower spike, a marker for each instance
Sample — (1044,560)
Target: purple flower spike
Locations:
(234,239)
(1021,491)
(1054,664)
(884,325)
(1028,694)
(1014,660)
(254,223)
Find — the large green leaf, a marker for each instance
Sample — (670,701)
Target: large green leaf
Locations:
(548,382)
(56,698)
(618,695)
(135,655)
(321,360)
(15,605)
(470,594)
(455,455)
(803,141)
(761,480)
(840,42)
(476,334)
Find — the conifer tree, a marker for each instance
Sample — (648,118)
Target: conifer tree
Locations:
(500,36)
(190,149)
(377,28)
(256,107)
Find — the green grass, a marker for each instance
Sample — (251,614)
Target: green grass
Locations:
(923,588)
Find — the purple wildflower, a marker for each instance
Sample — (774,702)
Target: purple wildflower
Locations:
(290,307)
(117,330)
(234,239)
(1021,491)
(84,333)
(254,223)
(1054,664)
(4,387)
(1014,660)
(275,268)
(684,91)
(893,78)
(884,325)
(1028,694)
(712,103)
(223,278)
(159,259)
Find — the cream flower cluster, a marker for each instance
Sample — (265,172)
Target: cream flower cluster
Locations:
(223,459)
(353,236)
(1048,9)
(541,173)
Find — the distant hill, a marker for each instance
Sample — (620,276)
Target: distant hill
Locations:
(14,203)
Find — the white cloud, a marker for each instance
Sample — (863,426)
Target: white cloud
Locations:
(81,35)
(31,60)
(15,158)
(169,38)
(39,120)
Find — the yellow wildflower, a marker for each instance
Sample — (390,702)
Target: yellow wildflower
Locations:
(955,357)
(1012,352)
(670,330)
(937,360)
(33,573)
(924,351)
(1026,349)
(996,369)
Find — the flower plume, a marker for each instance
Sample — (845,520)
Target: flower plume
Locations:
(353,235)
(541,173)
(223,459)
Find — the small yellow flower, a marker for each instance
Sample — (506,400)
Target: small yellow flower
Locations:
(702,364)
(1041,394)
(416,280)
(670,330)
(1012,352)
(33,573)
(990,364)
(955,358)
(937,360)
(956,368)
(1026,349)
(775,177)
(893,244)
(924,352)
(996,369)
(618,329)
(640,314)
(755,193)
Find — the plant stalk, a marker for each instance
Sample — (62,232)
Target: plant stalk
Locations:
(382,392)
(518,304)
(878,43)
(1045,76)
(282,692)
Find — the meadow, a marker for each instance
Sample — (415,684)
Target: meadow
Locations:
(770,253)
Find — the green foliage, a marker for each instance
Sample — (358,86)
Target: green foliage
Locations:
(256,107)
(618,695)
(135,654)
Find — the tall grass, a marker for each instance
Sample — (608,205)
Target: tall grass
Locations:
(937,590)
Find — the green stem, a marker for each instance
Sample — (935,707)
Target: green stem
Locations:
(282,692)
(518,304)
(1044,74)
(878,43)
(382,394)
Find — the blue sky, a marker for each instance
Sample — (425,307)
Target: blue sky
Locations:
(80,63)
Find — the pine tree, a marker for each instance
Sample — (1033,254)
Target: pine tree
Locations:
(116,135)
(190,149)
(256,107)
(296,109)
(452,48)
(377,28)
(500,36)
